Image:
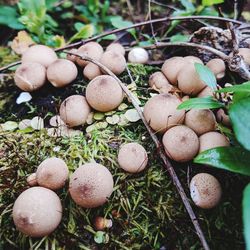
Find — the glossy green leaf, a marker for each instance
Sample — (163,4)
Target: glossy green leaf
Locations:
(85,32)
(201,103)
(211,2)
(246,215)
(239,113)
(179,38)
(206,75)
(244,87)
(188,5)
(9,17)
(234,159)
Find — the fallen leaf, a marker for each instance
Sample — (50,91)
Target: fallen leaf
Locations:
(23,97)
(37,123)
(132,115)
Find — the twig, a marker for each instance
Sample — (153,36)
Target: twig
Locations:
(167,163)
(164,19)
(236,14)
(150,18)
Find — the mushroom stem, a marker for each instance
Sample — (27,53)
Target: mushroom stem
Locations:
(167,164)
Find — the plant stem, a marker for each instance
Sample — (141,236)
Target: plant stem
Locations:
(160,150)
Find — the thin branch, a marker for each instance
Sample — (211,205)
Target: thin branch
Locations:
(150,18)
(164,19)
(167,163)
(236,12)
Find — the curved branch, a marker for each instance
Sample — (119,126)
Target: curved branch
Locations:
(167,163)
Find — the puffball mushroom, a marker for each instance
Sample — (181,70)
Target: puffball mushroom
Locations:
(205,190)
(70,57)
(218,67)
(31,180)
(74,110)
(114,61)
(245,53)
(104,93)
(193,59)
(188,80)
(161,112)
(52,173)
(138,55)
(30,76)
(91,185)
(200,120)
(207,91)
(91,71)
(116,47)
(181,143)
(171,67)
(159,82)
(37,211)
(223,117)
(39,54)
(132,157)
(61,72)
(92,49)
(212,140)
(101,223)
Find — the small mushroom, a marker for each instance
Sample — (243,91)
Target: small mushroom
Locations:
(159,82)
(91,49)
(205,190)
(114,61)
(70,57)
(161,112)
(181,143)
(193,59)
(132,157)
(172,67)
(39,54)
(138,55)
(74,110)
(104,93)
(245,53)
(101,223)
(91,185)
(223,118)
(200,120)
(218,67)
(117,47)
(61,72)
(91,71)
(52,173)
(30,76)
(31,180)
(212,140)
(207,91)
(37,212)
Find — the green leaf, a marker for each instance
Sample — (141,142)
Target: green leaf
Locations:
(9,17)
(234,159)
(188,5)
(179,38)
(246,215)
(239,113)
(201,103)
(85,32)
(211,2)
(206,75)
(244,87)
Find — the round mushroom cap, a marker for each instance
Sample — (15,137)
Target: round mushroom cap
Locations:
(114,61)
(138,55)
(117,47)
(52,173)
(74,110)
(200,120)
(218,67)
(91,71)
(92,49)
(172,67)
(70,57)
(193,59)
(223,118)
(161,112)
(207,91)
(245,53)
(160,83)
(205,190)
(61,72)
(104,93)
(39,54)
(30,76)
(37,211)
(181,143)
(91,185)
(212,140)
(132,157)
(188,80)
(31,180)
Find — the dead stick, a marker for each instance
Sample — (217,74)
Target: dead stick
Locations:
(167,163)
